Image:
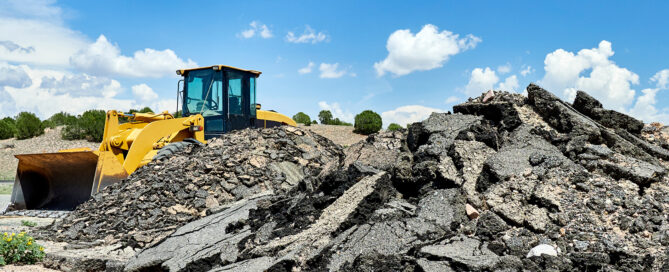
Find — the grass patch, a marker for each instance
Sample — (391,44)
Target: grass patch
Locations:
(28,223)
(6,189)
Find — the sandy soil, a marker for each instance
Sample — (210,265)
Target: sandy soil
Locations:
(342,135)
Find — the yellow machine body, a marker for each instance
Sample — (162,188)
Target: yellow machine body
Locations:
(63,180)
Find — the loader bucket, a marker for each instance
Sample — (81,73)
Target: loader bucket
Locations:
(54,181)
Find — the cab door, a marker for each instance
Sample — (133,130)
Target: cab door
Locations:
(238,101)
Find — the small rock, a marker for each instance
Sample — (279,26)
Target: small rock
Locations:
(471,212)
(542,249)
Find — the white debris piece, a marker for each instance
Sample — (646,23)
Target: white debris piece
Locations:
(542,249)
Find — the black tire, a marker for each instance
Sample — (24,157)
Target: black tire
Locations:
(170,149)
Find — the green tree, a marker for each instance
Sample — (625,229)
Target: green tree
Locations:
(89,126)
(28,126)
(62,118)
(314,122)
(146,110)
(7,128)
(394,127)
(325,116)
(368,122)
(302,118)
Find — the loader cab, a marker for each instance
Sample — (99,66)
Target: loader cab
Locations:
(225,96)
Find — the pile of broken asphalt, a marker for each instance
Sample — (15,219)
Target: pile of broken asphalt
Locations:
(506,183)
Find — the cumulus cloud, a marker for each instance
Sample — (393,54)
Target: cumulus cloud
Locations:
(13,76)
(336,111)
(661,79)
(308,36)
(644,108)
(38,42)
(331,70)
(12,46)
(407,114)
(526,71)
(426,50)
(77,85)
(481,80)
(104,58)
(592,71)
(307,69)
(144,93)
(510,84)
(504,69)
(7,104)
(256,28)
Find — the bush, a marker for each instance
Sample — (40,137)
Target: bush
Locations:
(146,110)
(325,116)
(368,122)
(302,118)
(19,249)
(89,126)
(28,126)
(48,124)
(7,129)
(394,127)
(28,223)
(338,122)
(314,122)
(62,119)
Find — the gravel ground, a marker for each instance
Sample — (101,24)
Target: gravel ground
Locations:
(26,268)
(341,135)
(50,141)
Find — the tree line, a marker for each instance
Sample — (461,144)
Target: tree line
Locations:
(366,122)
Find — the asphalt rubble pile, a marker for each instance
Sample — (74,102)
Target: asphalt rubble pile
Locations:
(197,181)
(505,183)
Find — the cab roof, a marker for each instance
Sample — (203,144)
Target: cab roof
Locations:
(219,67)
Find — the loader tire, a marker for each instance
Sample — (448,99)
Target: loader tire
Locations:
(172,148)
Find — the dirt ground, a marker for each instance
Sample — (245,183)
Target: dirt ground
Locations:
(341,135)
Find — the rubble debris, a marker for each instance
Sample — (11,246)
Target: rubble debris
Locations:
(507,183)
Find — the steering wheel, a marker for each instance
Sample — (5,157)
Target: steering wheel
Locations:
(213,104)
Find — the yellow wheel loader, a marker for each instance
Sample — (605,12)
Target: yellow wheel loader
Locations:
(214,100)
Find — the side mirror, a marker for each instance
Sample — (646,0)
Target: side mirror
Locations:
(257,106)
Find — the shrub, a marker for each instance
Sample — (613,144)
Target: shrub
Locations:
(48,124)
(367,122)
(89,126)
(146,110)
(314,122)
(394,127)
(19,249)
(302,118)
(325,116)
(10,120)
(338,122)
(28,126)
(7,129)
(28,223)
(62,119)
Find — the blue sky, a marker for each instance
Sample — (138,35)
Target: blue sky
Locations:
(401,59)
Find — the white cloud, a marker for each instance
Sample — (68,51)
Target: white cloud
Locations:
(34,9)
(426,50)
(13,76)
(504,69)
(44,43)
(510,84)
(77,85)
(590,70)
(308,36)
(144,93)
(644,108)
(407,114)
(481,80)
(256,28)
(104,58)
(661,78)
(452,99)
(331,70)
(307,69)
(526,71)
(337,111)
